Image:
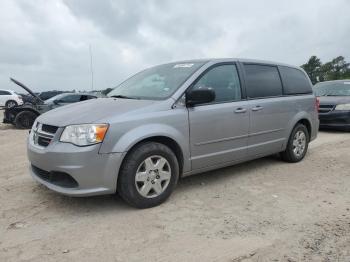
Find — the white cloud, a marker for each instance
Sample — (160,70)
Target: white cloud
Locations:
(45,44)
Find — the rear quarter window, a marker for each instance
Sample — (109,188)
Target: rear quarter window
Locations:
(262,81)
(294,81)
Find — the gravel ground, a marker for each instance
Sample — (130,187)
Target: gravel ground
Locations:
(263,210)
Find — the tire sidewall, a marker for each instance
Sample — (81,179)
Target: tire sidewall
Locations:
(126,182)
(20,115)
(302,128)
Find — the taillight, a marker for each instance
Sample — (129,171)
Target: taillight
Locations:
(317,103)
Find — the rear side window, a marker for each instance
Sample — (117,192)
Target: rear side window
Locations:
(295,81)
(4,93)
(262,81)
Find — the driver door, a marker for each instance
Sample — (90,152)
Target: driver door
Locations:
(219,130)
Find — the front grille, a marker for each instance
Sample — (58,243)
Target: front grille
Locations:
(57,178)
(43,134)
(43,141)
(326,108)
(49,129)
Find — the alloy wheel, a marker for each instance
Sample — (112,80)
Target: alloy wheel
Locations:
(299,143)
(153,176)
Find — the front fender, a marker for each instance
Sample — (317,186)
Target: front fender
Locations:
(128,140)
(137,134)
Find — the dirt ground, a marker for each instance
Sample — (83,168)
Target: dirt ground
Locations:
(263,210)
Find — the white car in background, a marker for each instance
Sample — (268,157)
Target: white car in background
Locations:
(9,98)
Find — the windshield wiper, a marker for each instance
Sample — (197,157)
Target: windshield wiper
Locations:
(123,97)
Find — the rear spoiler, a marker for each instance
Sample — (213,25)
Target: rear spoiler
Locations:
(27,89)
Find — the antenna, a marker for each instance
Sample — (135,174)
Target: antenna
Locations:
(91,69)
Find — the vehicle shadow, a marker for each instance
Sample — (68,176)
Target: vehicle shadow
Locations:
(333,131)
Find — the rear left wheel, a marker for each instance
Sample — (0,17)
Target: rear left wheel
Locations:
(298,144)
(148,175)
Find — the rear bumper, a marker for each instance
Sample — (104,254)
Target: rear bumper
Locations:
(335,120)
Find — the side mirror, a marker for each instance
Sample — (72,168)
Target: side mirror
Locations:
(200,96)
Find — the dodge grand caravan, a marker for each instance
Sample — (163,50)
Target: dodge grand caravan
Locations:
(170,121)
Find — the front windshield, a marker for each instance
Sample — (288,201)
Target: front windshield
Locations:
(339,88)
(56,97)
(156,83)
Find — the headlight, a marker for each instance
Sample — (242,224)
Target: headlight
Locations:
(343,107)
(84,135)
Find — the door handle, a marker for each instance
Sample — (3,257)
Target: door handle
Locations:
(257,108)
(240,110)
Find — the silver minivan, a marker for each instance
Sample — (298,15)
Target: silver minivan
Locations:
(171,121)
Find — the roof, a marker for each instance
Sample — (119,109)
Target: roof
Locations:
(243,60)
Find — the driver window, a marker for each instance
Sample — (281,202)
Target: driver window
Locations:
(224,80)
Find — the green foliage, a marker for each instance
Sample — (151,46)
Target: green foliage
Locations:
(335,69)
(313,68)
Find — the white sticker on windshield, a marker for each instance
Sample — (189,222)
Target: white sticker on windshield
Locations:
(346,83)
(183,65)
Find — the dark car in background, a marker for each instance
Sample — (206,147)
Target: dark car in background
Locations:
(334,97)
(29,99)
(48,94)
(24,116)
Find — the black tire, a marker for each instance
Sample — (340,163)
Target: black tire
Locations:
(25,119)
(289,155)
(11,103)
(127,187)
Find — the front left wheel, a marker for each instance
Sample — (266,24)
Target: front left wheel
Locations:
(148,175)
(25,119)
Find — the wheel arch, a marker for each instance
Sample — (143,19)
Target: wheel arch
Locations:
(165,140)
(307,124)
(16,121)
(122,141)
(11,100)
(301,118)
(20,110)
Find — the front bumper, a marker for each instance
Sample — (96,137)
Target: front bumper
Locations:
(335,120)
(94,173)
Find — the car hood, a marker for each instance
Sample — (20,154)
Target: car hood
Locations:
(27,89)
(334,100)
(91,111)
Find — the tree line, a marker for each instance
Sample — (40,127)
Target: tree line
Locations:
(335,69)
